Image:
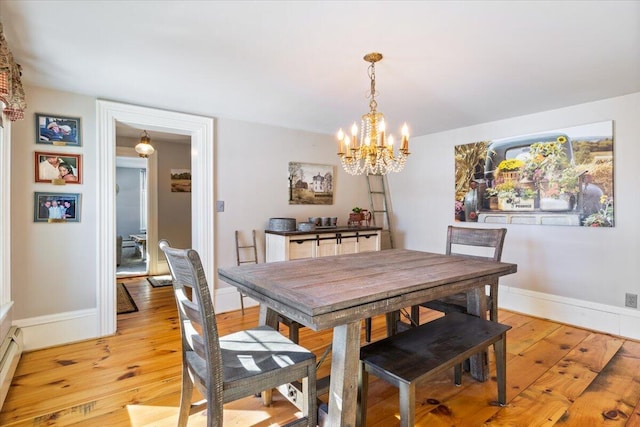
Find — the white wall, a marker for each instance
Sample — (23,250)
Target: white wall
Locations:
(54,265)
(174,209)
(576,275)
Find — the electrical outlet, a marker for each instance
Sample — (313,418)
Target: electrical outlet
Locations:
(631,300)
(219,206)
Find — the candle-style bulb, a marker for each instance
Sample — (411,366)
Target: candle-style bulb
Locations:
(340,135)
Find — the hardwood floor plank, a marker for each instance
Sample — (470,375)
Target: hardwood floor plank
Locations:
(556,375)
(613,395)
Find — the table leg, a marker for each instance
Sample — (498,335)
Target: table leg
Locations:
(477,305)
(343,391)
(270,318)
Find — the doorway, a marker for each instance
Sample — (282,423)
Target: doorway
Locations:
(201,131)
(131,214)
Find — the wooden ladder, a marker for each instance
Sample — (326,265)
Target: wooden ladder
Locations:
(380,207)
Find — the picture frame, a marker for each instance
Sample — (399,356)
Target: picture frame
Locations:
(181,180)
(53,129)
(56,207)
(311,184)
(561,177)
(58,168)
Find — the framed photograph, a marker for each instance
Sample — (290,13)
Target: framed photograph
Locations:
(56,207)
(58,168)
(58,130)
(310,184)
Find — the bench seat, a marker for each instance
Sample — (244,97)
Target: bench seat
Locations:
(407,358)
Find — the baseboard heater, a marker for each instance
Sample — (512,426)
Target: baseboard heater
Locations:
(10,352)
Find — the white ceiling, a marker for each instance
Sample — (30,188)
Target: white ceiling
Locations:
(299,64)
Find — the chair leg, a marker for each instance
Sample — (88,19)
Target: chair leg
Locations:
(185,398)
(294,332)
(367,329)
(310,404)
(241,302)
(363,389)
(407,404)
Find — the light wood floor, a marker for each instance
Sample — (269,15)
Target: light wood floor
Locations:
(556,375)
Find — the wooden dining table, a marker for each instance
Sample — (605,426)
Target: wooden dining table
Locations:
(339,291)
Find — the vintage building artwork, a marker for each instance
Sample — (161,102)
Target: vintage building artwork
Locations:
(310,184)
(559,177)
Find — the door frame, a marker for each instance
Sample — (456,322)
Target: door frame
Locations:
(201,131)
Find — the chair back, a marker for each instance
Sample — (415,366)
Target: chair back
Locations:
(201,352)
(484,243)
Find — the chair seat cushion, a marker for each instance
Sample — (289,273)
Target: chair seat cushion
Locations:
(259,350)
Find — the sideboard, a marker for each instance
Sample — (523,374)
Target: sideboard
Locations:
(288,245)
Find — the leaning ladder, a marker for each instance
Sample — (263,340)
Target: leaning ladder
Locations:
(380,207)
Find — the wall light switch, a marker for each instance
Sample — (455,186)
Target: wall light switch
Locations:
(220,206)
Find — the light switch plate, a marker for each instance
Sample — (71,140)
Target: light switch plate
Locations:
(220,206)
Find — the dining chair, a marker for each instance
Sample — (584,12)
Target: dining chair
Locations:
(247,253)
(230,367)
(479,243)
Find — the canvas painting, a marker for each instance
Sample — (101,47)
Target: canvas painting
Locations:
(311,184)
(558,177)
(181,180)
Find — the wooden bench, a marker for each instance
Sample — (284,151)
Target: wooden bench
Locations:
(407,358)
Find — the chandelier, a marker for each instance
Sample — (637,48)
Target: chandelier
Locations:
(373,153)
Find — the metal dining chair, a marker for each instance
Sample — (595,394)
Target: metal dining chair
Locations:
(227,368)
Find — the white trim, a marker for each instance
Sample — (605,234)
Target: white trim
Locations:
(620,321)
(57,329)
(201,130)
(228,299)
(5,218)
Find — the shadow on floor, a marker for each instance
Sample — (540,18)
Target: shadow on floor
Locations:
(131,264)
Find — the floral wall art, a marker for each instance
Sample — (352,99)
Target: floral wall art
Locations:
(558,177)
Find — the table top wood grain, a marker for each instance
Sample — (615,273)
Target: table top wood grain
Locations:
(327,291)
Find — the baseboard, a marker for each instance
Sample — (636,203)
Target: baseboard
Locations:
(58,329)
(620,321)
(228,299)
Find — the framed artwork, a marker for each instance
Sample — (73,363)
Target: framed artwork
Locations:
(181,180)
(56,207)
(558,177)
(58,130)
(311,184)
(58,168)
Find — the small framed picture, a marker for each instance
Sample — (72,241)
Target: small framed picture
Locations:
(58,130)
(58,168)
(56,207)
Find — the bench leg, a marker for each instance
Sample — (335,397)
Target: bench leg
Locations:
(501,364)
(457,373)
(363,389)
(407,404)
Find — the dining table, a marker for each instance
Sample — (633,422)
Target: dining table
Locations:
(340,291)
